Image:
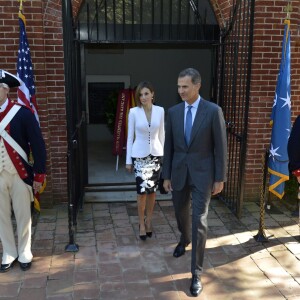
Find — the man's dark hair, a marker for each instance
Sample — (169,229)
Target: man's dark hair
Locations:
(193,73)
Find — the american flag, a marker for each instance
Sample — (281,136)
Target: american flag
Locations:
(26,92)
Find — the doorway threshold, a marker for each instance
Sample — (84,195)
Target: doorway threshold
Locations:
(103,197)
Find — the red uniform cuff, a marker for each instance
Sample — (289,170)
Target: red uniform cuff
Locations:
(39,177)
(296,173)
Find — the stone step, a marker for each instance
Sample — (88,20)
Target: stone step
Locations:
(117,196)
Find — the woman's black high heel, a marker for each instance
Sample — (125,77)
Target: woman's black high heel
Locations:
(142,237)
(148,233)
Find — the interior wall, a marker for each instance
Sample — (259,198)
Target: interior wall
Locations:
(161,66)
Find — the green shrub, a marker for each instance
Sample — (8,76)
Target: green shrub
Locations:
(111,110)
(291,190)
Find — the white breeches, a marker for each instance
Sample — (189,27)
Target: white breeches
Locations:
(16,194)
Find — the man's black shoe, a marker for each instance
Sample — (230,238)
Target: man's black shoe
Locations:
(6,267)
(196,286)
(25,266)
(180,249)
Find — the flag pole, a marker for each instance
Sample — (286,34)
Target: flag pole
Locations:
(261,236)
(21,4)
(288,9)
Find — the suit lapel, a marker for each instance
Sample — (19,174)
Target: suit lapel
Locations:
(199,119)
(180,116)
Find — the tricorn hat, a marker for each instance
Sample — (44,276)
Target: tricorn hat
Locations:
(10,79)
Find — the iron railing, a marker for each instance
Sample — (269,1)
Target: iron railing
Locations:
(146,20)
(235,53)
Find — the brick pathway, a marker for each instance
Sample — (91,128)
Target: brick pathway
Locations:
(113,263)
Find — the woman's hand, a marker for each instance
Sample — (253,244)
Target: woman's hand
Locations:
(129,168)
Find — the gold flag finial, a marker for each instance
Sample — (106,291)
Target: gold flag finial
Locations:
(21,4)
(288,9)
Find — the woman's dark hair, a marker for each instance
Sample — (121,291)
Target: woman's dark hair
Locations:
(141,85)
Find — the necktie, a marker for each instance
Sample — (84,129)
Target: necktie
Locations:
(188,125)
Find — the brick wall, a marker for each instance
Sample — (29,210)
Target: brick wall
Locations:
(56,112)
(222,10)
(44,32)
(76,4)
(268,34)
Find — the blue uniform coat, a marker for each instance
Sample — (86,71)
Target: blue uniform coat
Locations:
(25,130)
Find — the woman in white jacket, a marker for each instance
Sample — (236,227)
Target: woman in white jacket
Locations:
(145,144)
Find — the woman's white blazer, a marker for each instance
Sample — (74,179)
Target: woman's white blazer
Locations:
(143,139)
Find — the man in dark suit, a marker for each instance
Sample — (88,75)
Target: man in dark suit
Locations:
(20,135)
(195,163)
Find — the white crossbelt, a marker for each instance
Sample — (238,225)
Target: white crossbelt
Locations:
(12,112)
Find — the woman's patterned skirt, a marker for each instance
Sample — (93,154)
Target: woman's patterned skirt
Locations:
(147,171)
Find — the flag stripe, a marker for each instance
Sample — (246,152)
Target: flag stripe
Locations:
(22,97)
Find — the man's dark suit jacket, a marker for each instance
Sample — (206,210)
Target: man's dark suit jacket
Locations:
(205,158)
(294,146)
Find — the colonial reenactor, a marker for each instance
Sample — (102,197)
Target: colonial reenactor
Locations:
(20,135)
(294,151)
(294,148)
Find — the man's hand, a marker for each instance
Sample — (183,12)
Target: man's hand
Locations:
(167,185)
(36,186)
(217,188)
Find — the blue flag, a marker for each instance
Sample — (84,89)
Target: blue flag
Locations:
(281,121)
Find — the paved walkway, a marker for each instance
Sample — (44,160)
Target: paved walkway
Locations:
(113,263)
